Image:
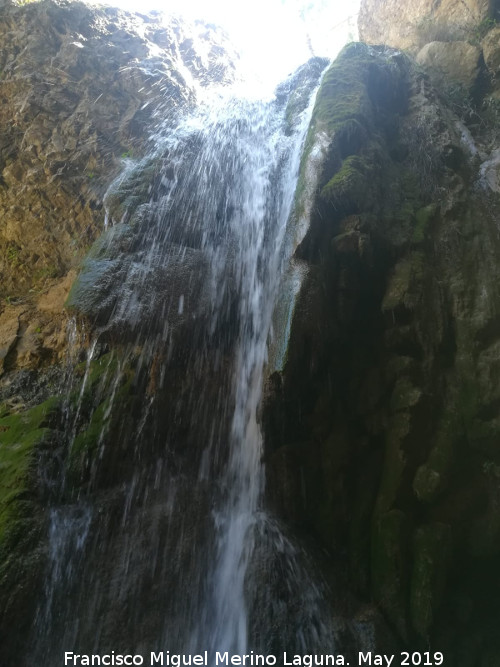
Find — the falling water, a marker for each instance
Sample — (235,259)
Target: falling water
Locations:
(188,280)
(268,183)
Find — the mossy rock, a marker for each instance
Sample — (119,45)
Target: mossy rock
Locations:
(404,395)
(21,434)
(101,402)
(106,264)
(432,546)
(423,218)
(348,190)
(96,379)
(342,118)
(301,84)
(133,189)
(362,82)
(343,94)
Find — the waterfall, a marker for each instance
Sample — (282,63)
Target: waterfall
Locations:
(266,187)
(157,548)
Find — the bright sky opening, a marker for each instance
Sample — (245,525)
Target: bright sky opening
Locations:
(273,37)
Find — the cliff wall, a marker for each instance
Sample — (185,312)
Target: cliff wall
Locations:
(383,427)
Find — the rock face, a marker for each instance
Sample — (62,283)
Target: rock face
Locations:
(81,89)
(383,427)
(382,418)
(452,39)
(410,25)
(491,50)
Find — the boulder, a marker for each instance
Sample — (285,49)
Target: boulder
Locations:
(410,25)
(451,62)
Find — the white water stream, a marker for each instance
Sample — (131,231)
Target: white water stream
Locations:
(265,190)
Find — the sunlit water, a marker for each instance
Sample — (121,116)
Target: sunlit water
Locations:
(272,37)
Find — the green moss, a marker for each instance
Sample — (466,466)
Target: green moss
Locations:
(20,434)
(343,95)
(479,32)
(342,110)
(108,384)
(303,83)
(86,442)
(100,371)
(347,190)
(423,218)
(13,252)
(50,271)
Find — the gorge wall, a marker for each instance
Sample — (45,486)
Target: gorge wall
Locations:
(381,427)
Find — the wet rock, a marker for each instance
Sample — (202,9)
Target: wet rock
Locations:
(387,401)
(169,290)
(9,328)
(300,84)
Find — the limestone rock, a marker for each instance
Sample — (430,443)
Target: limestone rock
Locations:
(451,62)
(491,50)
(410,25)
(82,88)
(405,354)
(9,329)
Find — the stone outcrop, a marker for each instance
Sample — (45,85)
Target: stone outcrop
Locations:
(453,39)
(451,61)
(383,426)
(491,50)
(409,25)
